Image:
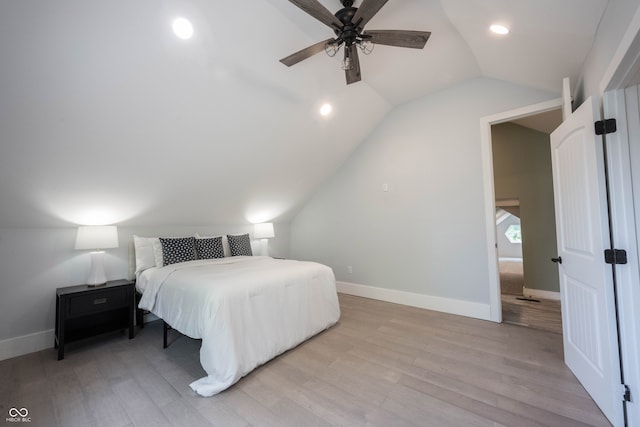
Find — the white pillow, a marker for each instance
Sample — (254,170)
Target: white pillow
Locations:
(158,255)
(145,252)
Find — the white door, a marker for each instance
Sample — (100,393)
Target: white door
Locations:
(586,282)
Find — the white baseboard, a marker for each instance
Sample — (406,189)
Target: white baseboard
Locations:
(538,293)
(14,347)
(18,346)
(446,305)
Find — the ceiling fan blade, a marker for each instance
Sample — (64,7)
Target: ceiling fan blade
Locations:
(366,11)
(318,11)
(353,73)
(400,38)
(305,53)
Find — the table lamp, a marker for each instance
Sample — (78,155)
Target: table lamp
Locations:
(97,237)
(263,232)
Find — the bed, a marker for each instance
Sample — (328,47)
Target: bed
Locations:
(246,309)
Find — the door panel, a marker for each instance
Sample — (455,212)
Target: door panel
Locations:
(586,282)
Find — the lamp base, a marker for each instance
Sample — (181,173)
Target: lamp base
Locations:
(97,285)
(97,277)
(264,243)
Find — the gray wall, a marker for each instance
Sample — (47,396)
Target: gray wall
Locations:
(522,170)
(425,235)
(34,262)
(611,29)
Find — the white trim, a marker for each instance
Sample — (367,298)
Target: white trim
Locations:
(446,305)
(624,229)
(518,113)
(14,347)
(489,196)
(567,100)
(506,258)
(539,293)
(623,67)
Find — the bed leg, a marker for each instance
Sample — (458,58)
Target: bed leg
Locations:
(139,311)
(140,318)
(165,328)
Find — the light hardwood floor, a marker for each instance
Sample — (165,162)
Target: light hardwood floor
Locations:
(381,365)
(538,313)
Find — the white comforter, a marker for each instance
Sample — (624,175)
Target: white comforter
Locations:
(247,310)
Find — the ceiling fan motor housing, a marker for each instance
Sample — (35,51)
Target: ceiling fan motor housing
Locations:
(348,33)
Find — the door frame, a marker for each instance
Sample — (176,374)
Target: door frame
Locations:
(495,304)
(624,71)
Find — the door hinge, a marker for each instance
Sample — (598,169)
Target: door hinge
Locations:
(605,126)
(626,393)
(615,256)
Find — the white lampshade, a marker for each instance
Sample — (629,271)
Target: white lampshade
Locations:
(263,231)
(97,237)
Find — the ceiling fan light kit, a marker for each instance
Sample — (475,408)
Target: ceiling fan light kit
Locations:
(348,25)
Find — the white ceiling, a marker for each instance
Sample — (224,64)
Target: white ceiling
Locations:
(545,122)
(105,116)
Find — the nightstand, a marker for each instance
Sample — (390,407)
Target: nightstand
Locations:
(83,311)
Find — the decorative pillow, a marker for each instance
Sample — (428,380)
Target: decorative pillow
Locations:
(178,249)
(225,243)
(240,245)
(209,247)
(144,252)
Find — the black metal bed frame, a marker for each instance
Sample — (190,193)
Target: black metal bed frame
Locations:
(140,321)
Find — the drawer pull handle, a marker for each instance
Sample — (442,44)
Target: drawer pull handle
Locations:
(100,301)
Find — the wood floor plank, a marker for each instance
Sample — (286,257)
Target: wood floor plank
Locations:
(427,411)
(181,413)
(250,409)
(538,313)
(301,389)
(552,400)
(160,391)
(382,365)
(488,408)
(296,415)
(138,406)
(106,407)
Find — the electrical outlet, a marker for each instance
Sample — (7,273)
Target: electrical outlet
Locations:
(349,269)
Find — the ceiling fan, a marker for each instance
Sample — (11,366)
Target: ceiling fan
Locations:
(348,24)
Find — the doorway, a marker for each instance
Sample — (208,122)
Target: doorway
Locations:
(490,194)
(526,231)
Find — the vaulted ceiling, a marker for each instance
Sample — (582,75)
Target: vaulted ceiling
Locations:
(107,117)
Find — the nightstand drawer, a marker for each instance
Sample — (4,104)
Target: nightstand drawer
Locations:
(96,302)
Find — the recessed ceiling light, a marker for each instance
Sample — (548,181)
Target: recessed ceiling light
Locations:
(183,28)
(499,29)
(325,110)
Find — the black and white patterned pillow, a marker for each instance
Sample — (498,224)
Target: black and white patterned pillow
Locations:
(178,249)
(209,247)
(240,245)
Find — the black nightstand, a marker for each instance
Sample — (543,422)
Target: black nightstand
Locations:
(83,311)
